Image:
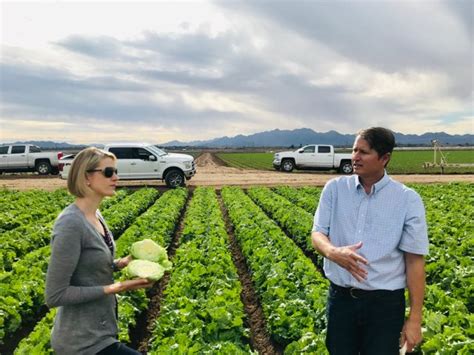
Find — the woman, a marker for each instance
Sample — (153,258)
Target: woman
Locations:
(80,273)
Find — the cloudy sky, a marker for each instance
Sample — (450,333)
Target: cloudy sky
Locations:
(89,71)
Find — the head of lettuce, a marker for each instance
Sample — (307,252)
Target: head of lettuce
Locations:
(145,269)
(150,260)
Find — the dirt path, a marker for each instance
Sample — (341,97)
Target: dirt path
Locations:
(211,172)
(260,339)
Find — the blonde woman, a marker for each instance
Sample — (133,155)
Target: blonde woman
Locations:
(80,280)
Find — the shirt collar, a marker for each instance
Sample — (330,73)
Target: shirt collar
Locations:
(379,185)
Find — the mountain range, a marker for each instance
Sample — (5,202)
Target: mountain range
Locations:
(289,138)
(303,136)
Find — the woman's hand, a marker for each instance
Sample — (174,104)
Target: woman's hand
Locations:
(127,285)
(123,262)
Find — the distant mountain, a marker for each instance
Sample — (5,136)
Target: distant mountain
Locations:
(426,138)
(285,138)
(303,136)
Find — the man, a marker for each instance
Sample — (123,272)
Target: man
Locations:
(372,233)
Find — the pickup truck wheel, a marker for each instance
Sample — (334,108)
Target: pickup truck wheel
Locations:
(43,168)
(174,178)
(287,165)
(346,167)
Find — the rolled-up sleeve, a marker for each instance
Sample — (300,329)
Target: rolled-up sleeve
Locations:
(322,217)
(65,253)
(415,234)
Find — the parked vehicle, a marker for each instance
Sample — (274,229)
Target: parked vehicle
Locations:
(28,157)
(142,161)
(64,165)
(314,156)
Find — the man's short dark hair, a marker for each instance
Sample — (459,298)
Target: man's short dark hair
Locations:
(380,139)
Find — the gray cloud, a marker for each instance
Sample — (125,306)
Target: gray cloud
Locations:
(464,10)
(386,35)
(97,47)
(193,48)
(242,72)
(303,41)
(51,91)
(45,92)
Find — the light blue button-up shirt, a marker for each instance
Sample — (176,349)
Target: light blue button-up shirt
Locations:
(389,221)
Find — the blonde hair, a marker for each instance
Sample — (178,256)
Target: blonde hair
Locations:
(86,159)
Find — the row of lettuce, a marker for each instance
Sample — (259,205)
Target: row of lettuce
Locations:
(22,284)
(201,310)
(290,288)
(157,223)
(449,302)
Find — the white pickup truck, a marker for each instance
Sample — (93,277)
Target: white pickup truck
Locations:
(28,157)
(142,161)
(314,156)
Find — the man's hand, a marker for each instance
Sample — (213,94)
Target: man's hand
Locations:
(348,258)
(127,285)
(415,269)
(411,334)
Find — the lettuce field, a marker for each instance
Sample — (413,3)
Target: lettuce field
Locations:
(245,279)
(402,162)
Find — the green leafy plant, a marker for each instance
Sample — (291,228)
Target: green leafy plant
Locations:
(201,311)
(292,292)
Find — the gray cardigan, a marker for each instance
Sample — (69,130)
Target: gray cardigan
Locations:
(80,266)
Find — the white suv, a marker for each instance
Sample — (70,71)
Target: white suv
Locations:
(141,161)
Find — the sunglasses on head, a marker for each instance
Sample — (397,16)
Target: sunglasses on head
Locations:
(108,172)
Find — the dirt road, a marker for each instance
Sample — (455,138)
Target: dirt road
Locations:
(211,172)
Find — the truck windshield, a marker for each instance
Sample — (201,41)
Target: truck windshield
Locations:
(157,150)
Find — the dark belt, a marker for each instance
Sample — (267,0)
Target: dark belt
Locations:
(359,293)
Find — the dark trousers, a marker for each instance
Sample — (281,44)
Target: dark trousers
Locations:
(364,322)
(118,349)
